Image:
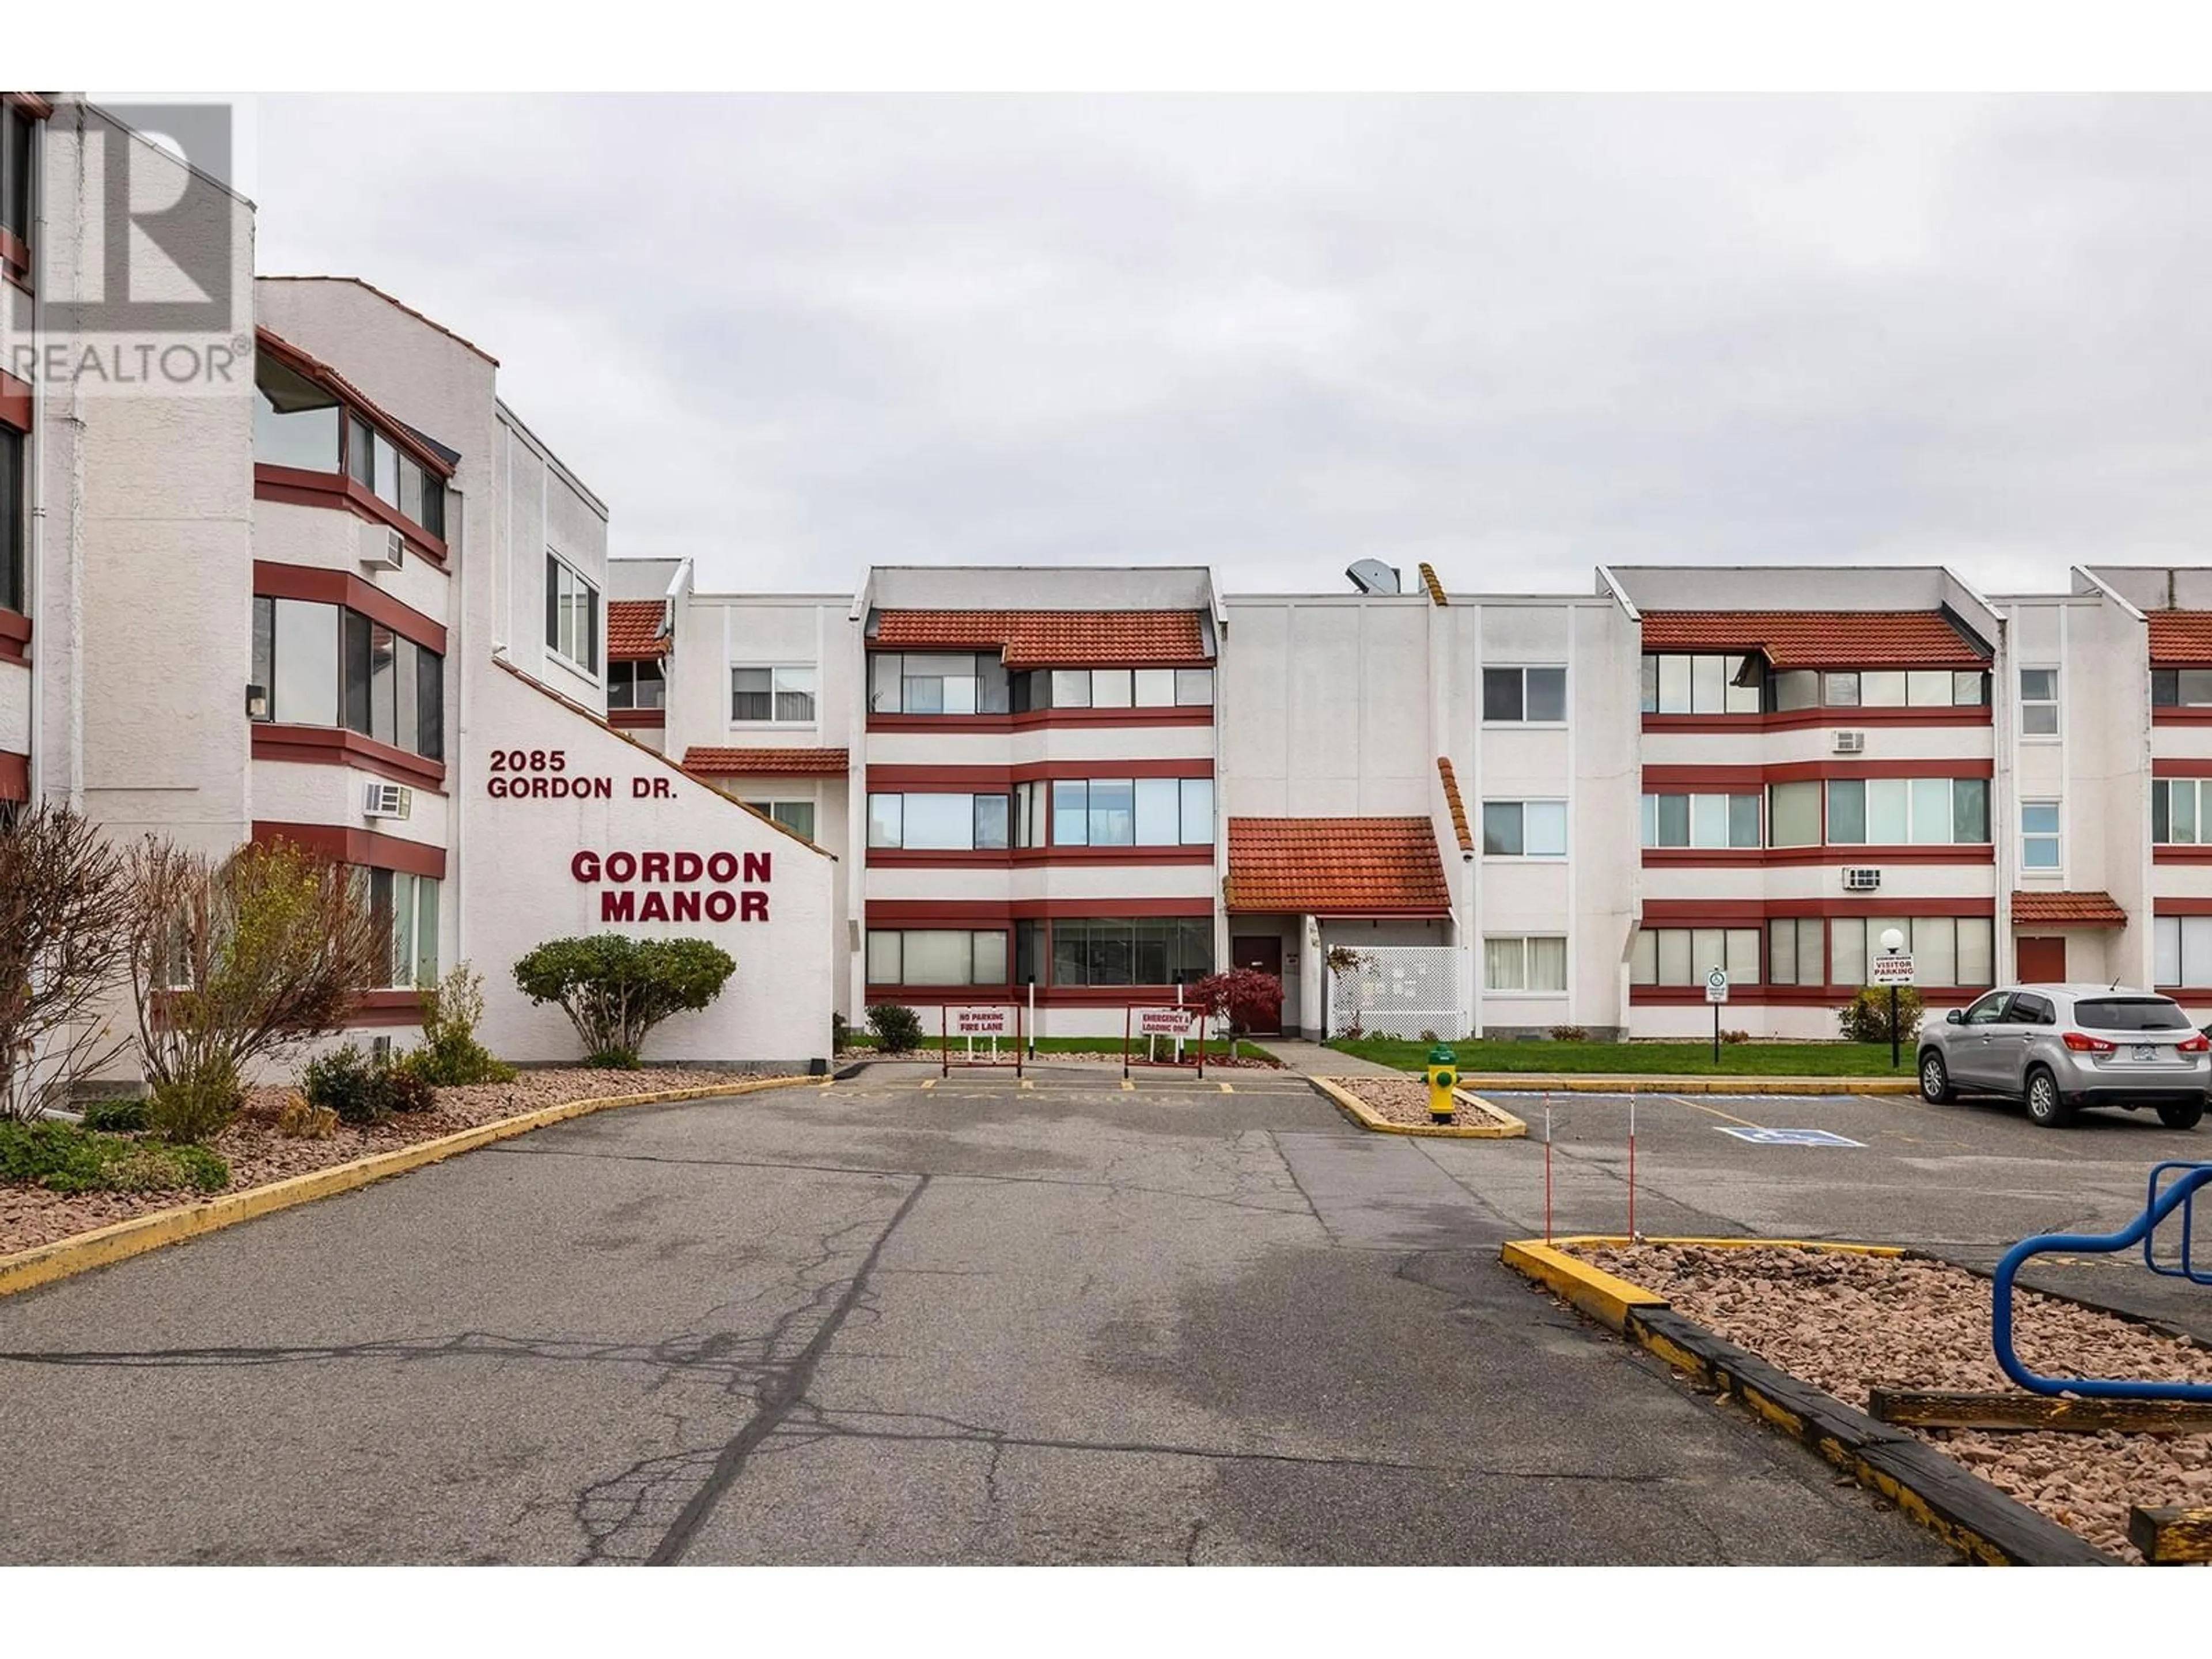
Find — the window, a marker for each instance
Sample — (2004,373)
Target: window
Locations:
(1529,696)
(1953,951)
(1684,956)
(2038,702)
(1922,688)
(571,615)
(1029,826)
(295,423)
(406,909)
(1908,811)
(2039,835)
(323,664)
(772,695)
(14,494)
(2181,688)
(1112,688)
(18,146)
(1533,966)
(1796,952)
(925,955)
(796,815)
(2183,947)
(2177,817)
(1701,820)
(1524,829)
(936,682)
(1705,685)
(636,685)
(1793,815)
(1133,812)
(939,822)
(1145,950)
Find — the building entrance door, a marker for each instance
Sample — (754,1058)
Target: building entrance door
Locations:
(2041,961)
(1265,953)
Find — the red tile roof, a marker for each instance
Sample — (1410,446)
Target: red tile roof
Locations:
(1458,806)
(1336,867)
(1820,638)
(764,763)
(1053,639)
(2067,910)
(634,629)
(2181,639)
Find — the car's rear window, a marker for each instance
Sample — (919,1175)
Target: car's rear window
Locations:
(2131,1014)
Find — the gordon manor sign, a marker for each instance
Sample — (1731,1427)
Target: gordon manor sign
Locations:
(673,886)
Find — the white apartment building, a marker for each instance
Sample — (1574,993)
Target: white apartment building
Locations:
(347,596)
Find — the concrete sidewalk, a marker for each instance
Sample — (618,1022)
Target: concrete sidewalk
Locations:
(1314,1061)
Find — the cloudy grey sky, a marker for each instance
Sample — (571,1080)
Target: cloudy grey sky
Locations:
(790,335)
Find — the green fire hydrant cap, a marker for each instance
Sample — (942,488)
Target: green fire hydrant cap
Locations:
(1442,1054)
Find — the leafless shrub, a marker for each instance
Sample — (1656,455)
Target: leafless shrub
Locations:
(64,937)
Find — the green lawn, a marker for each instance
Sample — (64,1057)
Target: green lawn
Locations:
(1067,1046)
(1668,1058)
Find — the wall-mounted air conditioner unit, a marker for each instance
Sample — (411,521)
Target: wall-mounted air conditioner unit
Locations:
(383,547)
(1857,878)
(1851,743)
(387,800)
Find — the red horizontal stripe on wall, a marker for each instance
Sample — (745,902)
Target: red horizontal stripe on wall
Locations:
(322,587)
(362,846)
(925,780)
(637,720)
(1678,780)
(2181,717)
(389,1008)
(2181,907)
(982,913)
(1784,857)
(1042,717)
(338,491)
(1798,719)
(2181,766)
(1048,996)
(329,745)
(1715,912)
(2181,855)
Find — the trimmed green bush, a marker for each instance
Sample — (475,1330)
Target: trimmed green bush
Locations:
(615,989)
(195,1105)
(897,1028)
(363,1090)
(64,1157)
(1865,1018)
(116,1117)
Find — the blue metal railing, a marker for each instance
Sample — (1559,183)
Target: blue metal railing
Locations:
(2185,1267)
(2180,1195)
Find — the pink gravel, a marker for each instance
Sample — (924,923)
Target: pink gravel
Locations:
(258,1155)
(1404,1100)
(1849,1323)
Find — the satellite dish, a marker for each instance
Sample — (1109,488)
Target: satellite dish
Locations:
(1373,576)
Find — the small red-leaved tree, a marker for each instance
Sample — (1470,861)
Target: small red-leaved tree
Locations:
(1246,998)
(64,939)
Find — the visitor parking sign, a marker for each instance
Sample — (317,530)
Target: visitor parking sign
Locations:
(1786,1137)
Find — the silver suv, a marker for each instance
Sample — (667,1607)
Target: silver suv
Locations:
(2061,1047)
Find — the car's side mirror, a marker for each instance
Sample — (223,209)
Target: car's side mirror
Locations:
(1956,1016)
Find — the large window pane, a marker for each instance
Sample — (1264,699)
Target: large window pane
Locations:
(265,643)
(1504,965)
(885,672)
(886,820)
(1193,686)
(426,931)
(1156,689)
(2181,796)
(1793,814)
(1547,693)
(1501,694)
(1977,951)
(1847,811)
(1934,951)
(1847,948)
(1673,686)
(1744,689)
(794,695)
(1798,688)
(885,960)
(1741,956)
(430,705)
(1547,965)
(1651,820)
(1643,958)
(941,823)
(1931,810)
(935,957)
(1113,952)
(1198,812)
(1674,956)
(994,685)
(752,694)
(1071,952)
(1708,685)
(307,671)
(383,683)
(1071,688)
(1889,806)
(1927,688)
(2165,935)
(1969,810)
(1674,820)
(990,958)
(1113,812)
(1159,813)
(1709,820)
(295,423)
(1544,829)
(991,822)
(1110,688)
(360,454)
(1501,828)
(1071,812)
(1882,688)
(405,654)
(386,482)
(1841,689)
(1743,820)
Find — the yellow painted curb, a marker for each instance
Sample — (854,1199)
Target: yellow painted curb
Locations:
(1596,1292)
(1532,1082)
(1350,1104)
(1830,1246)
(81,1253)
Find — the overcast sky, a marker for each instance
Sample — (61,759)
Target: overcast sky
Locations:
(791,336)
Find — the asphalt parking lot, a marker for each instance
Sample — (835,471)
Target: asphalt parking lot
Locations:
(973,1322)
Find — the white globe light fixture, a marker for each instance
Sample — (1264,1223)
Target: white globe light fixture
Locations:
(1891,940)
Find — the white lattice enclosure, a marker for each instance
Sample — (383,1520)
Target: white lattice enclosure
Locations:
(1397,990)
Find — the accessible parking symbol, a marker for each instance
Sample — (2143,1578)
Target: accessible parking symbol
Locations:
(1788,1137)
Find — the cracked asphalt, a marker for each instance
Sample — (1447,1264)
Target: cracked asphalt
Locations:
(883,1323)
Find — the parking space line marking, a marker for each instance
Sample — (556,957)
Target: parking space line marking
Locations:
(1127,1085)
(1716,1111)
(930,1083)
(1227,1090)
(1026,1083)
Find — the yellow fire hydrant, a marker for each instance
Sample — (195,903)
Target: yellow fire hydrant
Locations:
(1443,1075)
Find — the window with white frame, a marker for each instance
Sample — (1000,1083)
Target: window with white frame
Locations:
(796,815)
(636,685)
(1953,951)
(937,956)
(2182,947)
(1677,683)
(1531,964)
(1797,951)
(2181,688)
(1132,811)
(1684,956)
(772,695)
(2176,812)
(1908,811)
(2038,702)
(1701,820)
(2038,838)
(1524,829)
(942,822)
(405,908)
(1524,697)
(572,615)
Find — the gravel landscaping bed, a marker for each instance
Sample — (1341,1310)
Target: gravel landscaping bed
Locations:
(1849,1323)
(258,1155)
(1214,1062)
(1406,1100)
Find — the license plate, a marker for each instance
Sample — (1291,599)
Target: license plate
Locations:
(2146,1051)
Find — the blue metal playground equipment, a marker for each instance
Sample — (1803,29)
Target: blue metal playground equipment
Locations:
(2181,1195)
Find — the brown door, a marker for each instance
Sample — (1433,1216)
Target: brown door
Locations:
(1265,953)
(2041,961)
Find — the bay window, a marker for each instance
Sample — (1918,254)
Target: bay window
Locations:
(324,664)
(1728,683)
(296,423)
(1908,811)
(1701,820)
(1127,952)
(939,822)
(1132,811)
(1684,956)
(1947,950)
